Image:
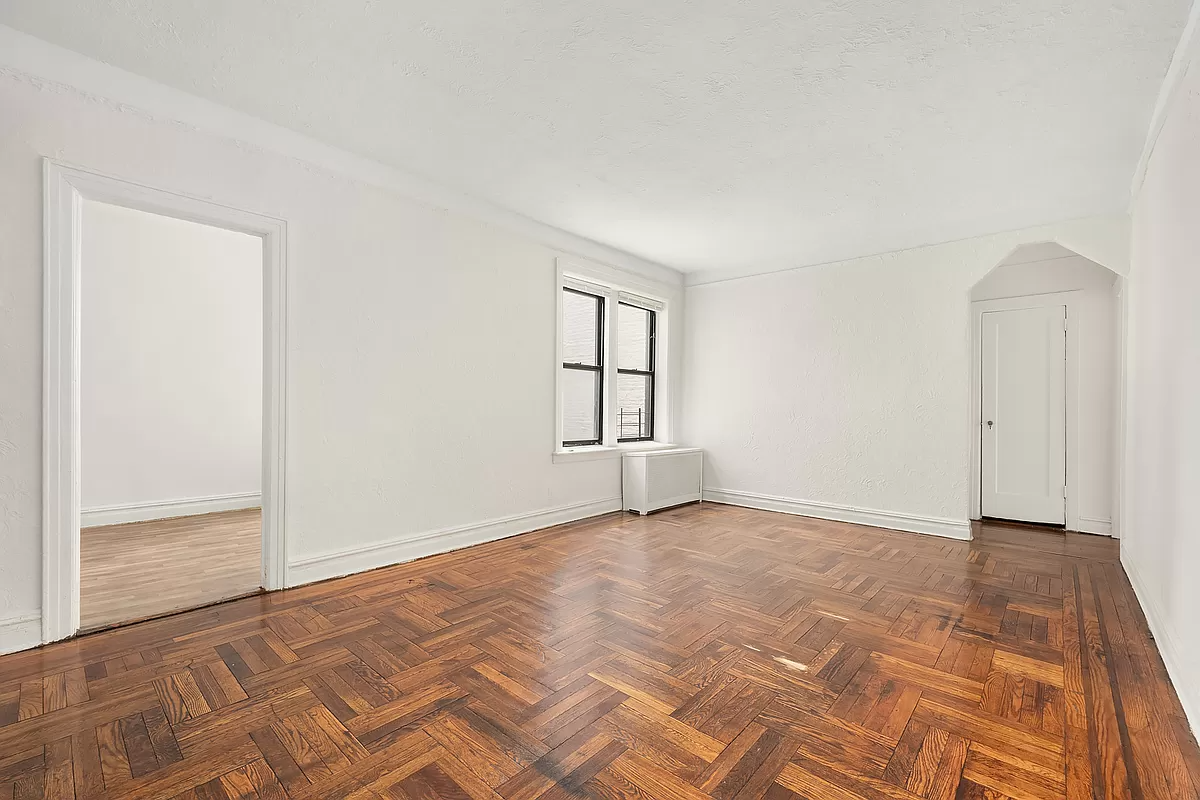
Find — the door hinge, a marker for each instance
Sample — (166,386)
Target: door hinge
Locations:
(1064,323)
(1064,493)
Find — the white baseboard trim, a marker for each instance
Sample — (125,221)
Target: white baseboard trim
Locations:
(360,559)
(188,507)
(20,632)
(1165,640)
(1102,527)
(934,526)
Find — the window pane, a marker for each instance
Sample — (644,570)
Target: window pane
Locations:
(633,337)
(580,316)
(580,388)
(633,407)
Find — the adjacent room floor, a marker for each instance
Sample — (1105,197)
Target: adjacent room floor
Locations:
(145,569)
(706,651)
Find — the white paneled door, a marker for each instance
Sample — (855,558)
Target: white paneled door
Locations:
(1024,442)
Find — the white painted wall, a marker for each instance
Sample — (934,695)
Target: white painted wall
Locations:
(843,389)
(1093,316)
(1161,544)
(421,373)
(171,368)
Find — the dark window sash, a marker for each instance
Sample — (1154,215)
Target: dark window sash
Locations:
(598,368)
(599,356)
(652,347)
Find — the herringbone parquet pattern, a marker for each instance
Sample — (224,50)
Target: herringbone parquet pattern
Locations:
(702,652)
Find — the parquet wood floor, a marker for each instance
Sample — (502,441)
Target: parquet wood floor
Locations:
(145,569)
(703,652)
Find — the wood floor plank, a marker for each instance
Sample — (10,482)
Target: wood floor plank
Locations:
(280,760)
(85,755)
(114,763)
(138,747)
(146,569)
(702,652)
(59,780)
(31,700)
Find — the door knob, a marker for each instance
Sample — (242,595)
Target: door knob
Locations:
(990,423)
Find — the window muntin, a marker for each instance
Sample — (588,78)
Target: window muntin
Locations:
(582,383)
(635,373)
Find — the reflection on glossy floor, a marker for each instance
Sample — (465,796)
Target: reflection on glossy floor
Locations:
(701,652)
(146,569)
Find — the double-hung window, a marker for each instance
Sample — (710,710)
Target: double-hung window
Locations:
(609,352)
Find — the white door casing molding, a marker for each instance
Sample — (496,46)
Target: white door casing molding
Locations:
(65,188)
(1071,300)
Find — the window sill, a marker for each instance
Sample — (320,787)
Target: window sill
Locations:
(600,452)
(593,453)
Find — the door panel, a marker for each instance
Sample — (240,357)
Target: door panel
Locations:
(1024,400)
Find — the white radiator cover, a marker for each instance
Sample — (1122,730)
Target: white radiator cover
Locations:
(654,479)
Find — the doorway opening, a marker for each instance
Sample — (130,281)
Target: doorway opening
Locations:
(164,402)
(171,415)
(1044,378)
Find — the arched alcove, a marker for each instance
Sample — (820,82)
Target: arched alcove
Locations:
(1017,389)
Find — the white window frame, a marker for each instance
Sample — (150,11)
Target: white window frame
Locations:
(615,287)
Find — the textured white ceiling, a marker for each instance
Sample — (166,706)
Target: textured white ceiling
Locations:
(705,135)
